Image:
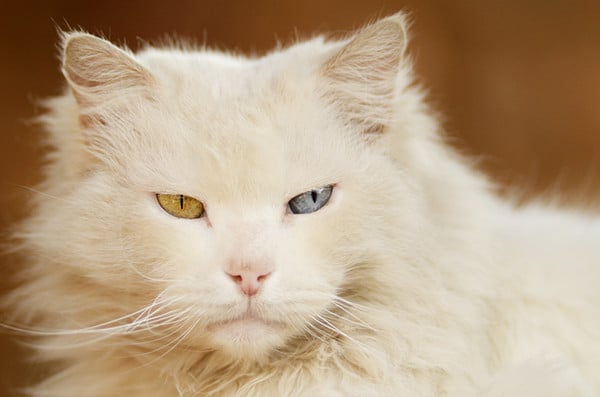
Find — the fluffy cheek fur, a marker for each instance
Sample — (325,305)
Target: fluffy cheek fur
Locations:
(140,257)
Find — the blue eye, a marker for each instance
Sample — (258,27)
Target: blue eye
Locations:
(310,201)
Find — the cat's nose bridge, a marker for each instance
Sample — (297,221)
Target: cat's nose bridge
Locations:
(250,259)
(248,238)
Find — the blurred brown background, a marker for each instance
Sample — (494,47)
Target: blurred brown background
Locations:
(517,80)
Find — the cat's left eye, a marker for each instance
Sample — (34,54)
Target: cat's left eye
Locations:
(311,201)
(180,206)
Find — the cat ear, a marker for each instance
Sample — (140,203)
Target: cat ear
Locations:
(98,71)
(362,75)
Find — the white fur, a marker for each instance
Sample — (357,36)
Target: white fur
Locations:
(414,280)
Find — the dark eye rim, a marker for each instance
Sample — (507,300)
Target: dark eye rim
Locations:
(331,188)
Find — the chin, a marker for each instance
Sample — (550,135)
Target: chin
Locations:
(248,337)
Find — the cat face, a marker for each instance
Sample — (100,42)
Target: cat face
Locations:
(292,204)
(245,181)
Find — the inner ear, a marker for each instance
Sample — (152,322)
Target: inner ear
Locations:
(98,71)
(361,77)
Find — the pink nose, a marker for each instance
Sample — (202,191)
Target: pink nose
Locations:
(249,281)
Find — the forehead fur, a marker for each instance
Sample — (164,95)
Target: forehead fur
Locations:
(246,126)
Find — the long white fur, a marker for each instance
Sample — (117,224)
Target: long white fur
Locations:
(414,280)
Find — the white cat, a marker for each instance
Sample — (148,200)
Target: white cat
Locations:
(290,225)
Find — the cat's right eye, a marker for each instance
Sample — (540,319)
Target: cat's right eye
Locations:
(180,206)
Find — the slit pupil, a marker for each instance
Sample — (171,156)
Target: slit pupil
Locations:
(313,195)
(181,201)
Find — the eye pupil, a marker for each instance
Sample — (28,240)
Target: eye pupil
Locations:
(313,195)
(181,201)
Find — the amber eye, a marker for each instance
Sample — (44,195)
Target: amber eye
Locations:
(180,206)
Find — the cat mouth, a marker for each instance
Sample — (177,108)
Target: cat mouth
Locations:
(247,320)
(247,332)
(247,335)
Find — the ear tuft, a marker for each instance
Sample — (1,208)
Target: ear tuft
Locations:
(98,70)
(362,74)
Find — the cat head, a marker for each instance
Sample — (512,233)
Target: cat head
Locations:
(238,203)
